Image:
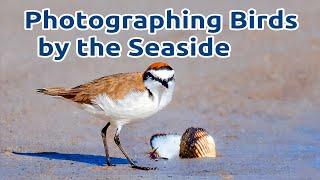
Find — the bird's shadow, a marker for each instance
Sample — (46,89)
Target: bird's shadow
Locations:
(83,158)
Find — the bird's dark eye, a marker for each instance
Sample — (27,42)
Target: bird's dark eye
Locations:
(148,75)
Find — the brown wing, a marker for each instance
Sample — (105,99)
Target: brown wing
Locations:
(115,86)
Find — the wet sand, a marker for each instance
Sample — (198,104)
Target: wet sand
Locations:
(261,105)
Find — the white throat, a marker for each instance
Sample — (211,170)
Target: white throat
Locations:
(160,93)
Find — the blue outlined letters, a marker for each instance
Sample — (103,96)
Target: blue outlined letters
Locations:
(181,49)
(170,20)
(240,20)
(94,48)
(56,49)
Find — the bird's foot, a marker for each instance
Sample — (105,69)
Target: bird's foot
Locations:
(143,168)
(109,163)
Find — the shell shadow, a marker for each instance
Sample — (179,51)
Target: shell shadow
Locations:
(82,158)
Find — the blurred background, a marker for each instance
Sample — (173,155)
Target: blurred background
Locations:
(261,105)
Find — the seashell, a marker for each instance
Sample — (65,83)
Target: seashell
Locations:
(165,146)
(196,143)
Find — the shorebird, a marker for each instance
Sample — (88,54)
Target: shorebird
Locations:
(122,98)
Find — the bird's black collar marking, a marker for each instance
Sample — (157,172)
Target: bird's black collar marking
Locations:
(150,93)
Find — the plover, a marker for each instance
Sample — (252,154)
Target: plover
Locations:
(122,98)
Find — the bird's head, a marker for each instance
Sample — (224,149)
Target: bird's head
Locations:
(159,74)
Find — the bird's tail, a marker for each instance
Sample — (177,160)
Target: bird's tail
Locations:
(54,91)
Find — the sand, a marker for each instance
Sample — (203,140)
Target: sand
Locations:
(261,105)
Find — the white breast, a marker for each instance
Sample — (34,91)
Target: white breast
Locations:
(134,106)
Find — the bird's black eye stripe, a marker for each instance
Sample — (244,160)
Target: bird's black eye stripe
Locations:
(148,75)
(170,79)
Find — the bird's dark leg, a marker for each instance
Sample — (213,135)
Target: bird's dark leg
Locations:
(105,143)
(133,165)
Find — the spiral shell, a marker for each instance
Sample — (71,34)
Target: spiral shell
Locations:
(195,143)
